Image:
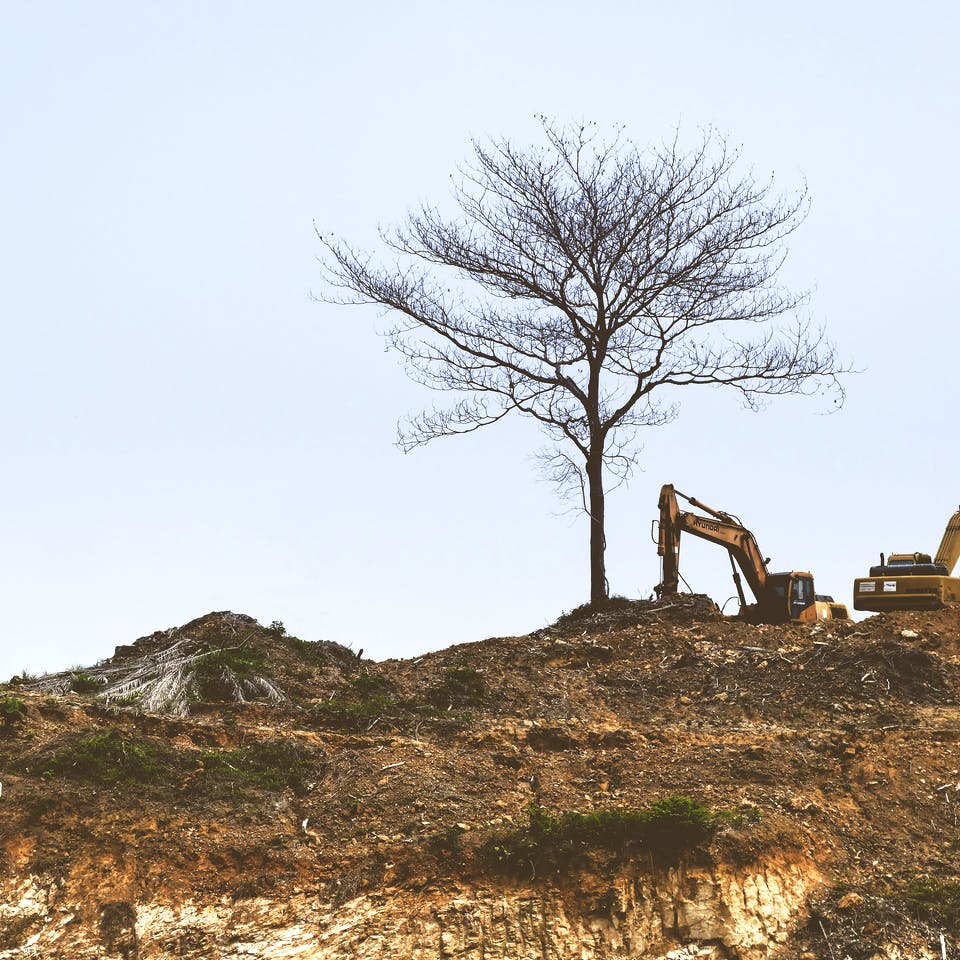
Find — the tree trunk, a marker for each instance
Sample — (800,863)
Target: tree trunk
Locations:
(598,541)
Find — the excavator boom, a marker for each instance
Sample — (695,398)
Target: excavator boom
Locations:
(720,528)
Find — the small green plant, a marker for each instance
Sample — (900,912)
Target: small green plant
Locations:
(936,899)
(82,682)
(270,764)
(278,628)
(108,757)
(12,712)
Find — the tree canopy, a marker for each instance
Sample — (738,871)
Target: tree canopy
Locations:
(582,281)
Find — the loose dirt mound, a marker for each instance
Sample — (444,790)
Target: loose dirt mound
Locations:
(619,612)
(219,658)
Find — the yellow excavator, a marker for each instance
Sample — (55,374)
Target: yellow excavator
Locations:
(780,597)
(912,581)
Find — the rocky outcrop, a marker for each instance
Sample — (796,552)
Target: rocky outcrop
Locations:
(687,912)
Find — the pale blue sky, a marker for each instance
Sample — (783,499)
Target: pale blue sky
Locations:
(184,430)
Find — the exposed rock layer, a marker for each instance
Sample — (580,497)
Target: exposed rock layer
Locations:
(716,913)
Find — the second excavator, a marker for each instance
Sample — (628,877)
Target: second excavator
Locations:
(913,581)
(780,597)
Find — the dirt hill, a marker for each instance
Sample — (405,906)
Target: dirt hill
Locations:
(646,781)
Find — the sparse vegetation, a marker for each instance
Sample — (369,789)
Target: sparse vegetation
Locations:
(370,697)
(25,676)
(668,827)
(371,685)
(458,687)
(218,673)
(82,682)
(129,700)
(12,712)
(241,660)
(320,653)
(936,900)
(587,610)
(269,764)
(353,711)
(109,757)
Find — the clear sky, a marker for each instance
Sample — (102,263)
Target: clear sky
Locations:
(184,429)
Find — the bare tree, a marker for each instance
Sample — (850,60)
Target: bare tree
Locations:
(594,276)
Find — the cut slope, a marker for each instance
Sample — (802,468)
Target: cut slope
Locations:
(362,814)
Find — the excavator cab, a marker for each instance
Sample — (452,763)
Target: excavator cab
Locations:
(785,597)
(802,595)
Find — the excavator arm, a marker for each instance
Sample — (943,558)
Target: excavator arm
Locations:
(718,527)
(949,550)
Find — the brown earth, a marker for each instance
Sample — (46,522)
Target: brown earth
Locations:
(360,806)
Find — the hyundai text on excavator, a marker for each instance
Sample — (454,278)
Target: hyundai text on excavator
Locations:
(780,597)
(912,581)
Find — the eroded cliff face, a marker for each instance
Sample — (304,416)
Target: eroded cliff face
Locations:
(686,912)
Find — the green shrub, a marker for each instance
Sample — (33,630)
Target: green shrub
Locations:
(270,764)
(322,653)
(81,682)
(458,687)
(668,826)
(12,712)
(25,676)
(217,672)
(368,686)
(363,699)
(243,661)
(311,652)
(108,758)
